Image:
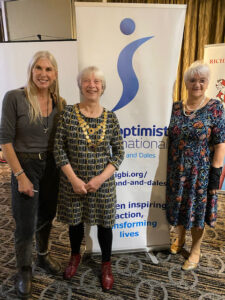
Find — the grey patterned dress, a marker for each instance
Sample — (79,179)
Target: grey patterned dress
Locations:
(71,146)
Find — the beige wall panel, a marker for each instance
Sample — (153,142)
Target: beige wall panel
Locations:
(52,19)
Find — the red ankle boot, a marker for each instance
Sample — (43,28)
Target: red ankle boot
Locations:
(71,269)
(107,276)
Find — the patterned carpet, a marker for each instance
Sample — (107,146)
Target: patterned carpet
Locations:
(136,277)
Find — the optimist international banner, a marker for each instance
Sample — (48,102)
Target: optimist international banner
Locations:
(214,56)
(137,47)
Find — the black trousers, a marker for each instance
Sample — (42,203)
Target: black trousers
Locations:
(76,234)
(32,214)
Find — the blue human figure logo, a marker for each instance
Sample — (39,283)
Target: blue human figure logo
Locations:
(125,66)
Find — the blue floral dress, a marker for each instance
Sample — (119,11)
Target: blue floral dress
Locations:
(191,141)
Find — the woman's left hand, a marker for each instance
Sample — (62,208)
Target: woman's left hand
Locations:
(212,192)
(94,184)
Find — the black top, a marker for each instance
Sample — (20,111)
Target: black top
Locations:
(16,127)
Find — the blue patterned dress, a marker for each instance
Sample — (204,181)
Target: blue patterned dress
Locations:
(190,153)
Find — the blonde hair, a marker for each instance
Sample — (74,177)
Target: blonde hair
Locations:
(31,88)
(89,70)
(197,68)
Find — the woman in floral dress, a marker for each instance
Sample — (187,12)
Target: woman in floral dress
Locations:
(195,158)
(88,148)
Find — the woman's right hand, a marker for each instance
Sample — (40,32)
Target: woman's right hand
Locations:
(77,183)
(25,186)
(79,186)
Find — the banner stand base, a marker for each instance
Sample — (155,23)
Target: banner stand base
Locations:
(153,258)
(148,250)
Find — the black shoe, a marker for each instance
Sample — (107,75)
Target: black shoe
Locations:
(24,282)
(49,264)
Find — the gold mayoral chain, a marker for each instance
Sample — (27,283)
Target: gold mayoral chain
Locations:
(87,130)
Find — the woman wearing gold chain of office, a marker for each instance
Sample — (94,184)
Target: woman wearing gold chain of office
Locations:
(88,148)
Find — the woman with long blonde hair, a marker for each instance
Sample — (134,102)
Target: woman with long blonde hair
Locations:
(29,117)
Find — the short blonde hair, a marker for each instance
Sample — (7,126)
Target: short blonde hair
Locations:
(197,68)
(87,71)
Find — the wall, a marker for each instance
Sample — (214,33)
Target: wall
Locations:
(52,19)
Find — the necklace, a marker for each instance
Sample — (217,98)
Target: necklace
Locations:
(45,126)
(87,130)
(190,115)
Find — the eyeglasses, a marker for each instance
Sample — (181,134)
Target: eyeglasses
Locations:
(200,81)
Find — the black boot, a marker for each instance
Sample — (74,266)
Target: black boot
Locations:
(44,260)
(48,263)
(24,282)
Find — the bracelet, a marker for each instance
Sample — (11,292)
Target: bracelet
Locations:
(19,173)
